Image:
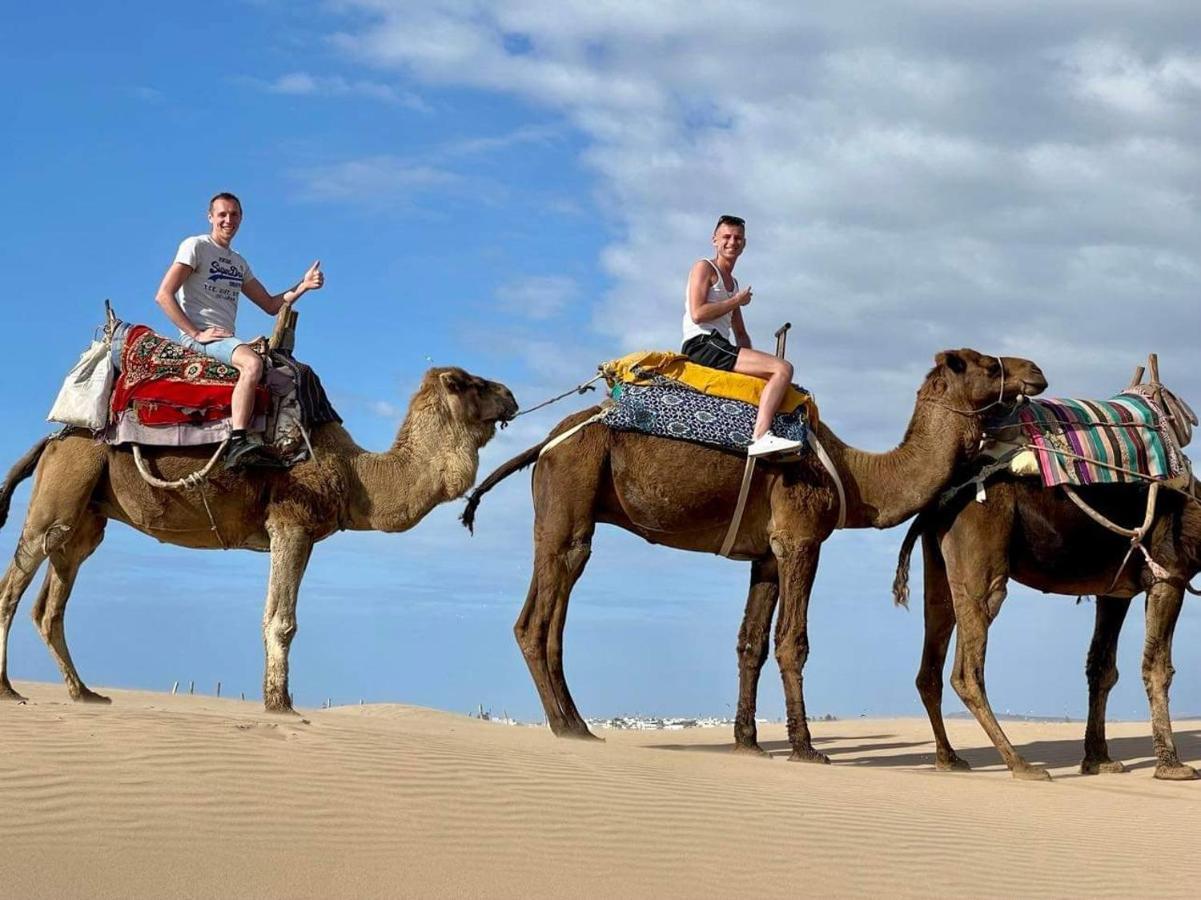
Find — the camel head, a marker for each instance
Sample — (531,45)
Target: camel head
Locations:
(975,384)
(474,403)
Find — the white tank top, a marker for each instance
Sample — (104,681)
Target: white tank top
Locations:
(723,325)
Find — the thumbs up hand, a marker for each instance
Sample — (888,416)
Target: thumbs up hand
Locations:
(314,278)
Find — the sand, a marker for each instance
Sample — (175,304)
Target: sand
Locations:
(184,796)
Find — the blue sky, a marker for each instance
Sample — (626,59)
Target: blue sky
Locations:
(519,188)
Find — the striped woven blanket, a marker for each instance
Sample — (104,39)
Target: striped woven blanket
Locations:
(1099,441)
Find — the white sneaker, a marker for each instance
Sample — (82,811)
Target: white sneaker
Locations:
(770,443)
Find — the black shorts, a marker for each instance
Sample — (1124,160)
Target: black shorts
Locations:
(711,350)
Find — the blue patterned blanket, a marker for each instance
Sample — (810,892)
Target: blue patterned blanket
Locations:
(666,410)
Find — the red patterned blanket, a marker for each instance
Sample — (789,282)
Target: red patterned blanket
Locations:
(166,384)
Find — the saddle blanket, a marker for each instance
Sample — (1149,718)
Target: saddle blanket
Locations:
(665,409)
(162,383)
(1082,442)
(645,366)
(166,395)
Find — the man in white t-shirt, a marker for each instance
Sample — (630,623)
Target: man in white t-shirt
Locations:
(199,294)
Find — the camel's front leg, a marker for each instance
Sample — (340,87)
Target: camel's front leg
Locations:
(940,623)
(290,551)
(1163,609)
(798,566)
(1101,669)
(753,639)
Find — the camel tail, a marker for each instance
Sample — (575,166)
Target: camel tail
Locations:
(516,464)
(900,583)
(21,470)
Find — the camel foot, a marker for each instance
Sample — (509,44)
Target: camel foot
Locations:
(751,750)
(951,762)
(278,705)
(87,695)
(1027,772)
(8,693)
(809,755)
(1101,767)
(585,734)
(1178,772)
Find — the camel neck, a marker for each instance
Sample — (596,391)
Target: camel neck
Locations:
(429,463)
(884,489)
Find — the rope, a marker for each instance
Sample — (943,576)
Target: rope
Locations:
(578,389)
(194,479)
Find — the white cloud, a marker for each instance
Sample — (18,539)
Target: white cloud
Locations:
(303,84)
(992,175)
(377,179)
(538,297)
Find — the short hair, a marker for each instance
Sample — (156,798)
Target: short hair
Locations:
(729,220)
(225,195)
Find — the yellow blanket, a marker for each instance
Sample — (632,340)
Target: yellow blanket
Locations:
(636,367)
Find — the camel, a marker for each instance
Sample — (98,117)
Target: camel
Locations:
(1038,537)
(682,494)
(81,484)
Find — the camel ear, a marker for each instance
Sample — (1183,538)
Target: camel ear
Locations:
(952,361)
(453,382)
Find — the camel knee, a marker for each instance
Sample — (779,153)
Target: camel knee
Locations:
(928,683)
(1101,675)
(793,654)
(280,631)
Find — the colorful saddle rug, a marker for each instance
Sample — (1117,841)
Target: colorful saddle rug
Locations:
(1082,442)
(661,407)
(645,366)
(162,383)
(166,395)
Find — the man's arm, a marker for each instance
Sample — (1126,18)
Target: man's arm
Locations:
(741,337)
(313,280)
(173,280)
(699,282)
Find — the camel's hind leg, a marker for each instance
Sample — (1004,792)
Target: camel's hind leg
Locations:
(51,605)
(559,561)
(1163,609)
(753,640)
(977,563)
(1102,672)
(66,476)
(940,624)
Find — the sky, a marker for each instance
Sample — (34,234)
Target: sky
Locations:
(519,188)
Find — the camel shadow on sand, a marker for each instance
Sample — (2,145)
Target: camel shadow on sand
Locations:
(1136,752)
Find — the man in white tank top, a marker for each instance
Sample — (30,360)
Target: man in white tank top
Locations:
(715,335)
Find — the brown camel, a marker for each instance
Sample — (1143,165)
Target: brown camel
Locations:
(682,495)
(81,484)
(1038,537)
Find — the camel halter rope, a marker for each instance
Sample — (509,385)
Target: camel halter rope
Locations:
(196,480)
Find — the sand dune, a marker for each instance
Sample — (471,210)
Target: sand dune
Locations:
(192,796)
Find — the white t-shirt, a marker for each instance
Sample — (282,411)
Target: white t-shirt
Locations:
(723,325)
(209,296)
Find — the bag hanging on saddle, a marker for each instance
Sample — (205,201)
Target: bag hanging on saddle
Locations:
(83,398)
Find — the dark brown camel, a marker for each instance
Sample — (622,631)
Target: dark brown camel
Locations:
(682,495)
(1038,537)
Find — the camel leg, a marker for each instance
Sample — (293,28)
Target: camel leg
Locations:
(798,567)
(66,476)
(290,551)
(753,639)
(51,605)
(978,571)
(558,563)
(940,623)
(1101,669)
(576,559)
(1163,609)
